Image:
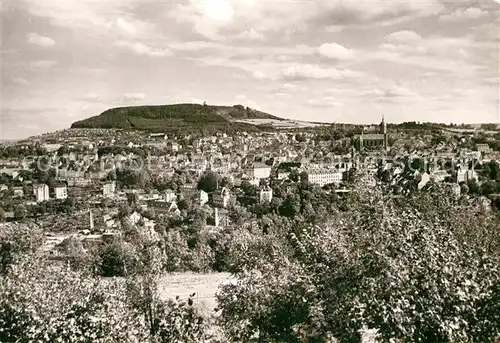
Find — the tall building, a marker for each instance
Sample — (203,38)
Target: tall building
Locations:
(61,192)
(41,192)
(383,130)
(373,140)
(108,189)
(266,195)
(259,171)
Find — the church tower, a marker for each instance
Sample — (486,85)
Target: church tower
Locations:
(383,130)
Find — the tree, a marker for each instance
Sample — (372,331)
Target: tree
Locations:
(489,127)
(419,269)
(489,187)
(491,170)
(16,240)
(300,138)
(116,259)
(294,175)
(417,164)
(209,182)
(20,212)
(124,211)
(464,189)
(303,177)
(40,305)
(227,182)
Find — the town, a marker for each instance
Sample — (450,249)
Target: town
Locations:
(90,184)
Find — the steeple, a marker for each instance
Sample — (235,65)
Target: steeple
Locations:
(383,125)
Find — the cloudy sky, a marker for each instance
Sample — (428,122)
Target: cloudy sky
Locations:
(327,60)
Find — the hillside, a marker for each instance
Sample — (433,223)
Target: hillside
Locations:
(179,117)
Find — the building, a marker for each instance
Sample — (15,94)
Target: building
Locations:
(483,147)
(221,198)
(18,192)
(439,176)
(173,146)
(169,195)
(266,195)
(164,207)
(221,217)
(188,190)
(203,197)
(465,175)
(372,140)
(41,192)
(422,180)
(78,182)
(259,171)
(323,177)
(108,189)
(455,188)
(61,192)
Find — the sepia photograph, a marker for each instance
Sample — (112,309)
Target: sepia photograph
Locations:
(250,171)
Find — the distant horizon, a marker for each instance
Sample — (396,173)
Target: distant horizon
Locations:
(388,121)
(314,60)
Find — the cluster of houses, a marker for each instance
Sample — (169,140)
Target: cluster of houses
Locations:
(80,167)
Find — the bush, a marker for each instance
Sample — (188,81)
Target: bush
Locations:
(40,303)
(420,270)
(15,241)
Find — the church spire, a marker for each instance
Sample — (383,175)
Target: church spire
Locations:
(383,125)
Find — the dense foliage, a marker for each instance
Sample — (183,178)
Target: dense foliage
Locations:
(423,270)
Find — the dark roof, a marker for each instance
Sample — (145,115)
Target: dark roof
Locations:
(370,136)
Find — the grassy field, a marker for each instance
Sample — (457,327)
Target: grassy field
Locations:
(204,285)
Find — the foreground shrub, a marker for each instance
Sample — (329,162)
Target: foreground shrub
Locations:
(419,270)
(15,241)
(41,303)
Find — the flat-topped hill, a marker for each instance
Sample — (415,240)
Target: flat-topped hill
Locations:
(184,117)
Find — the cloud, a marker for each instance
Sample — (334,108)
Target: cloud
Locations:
(125,25)
(282,95)
(334,28)
(259,75)
(40,64)
(220,19)
(324,102)
(308,71)
(43,41)
(450,54)
(91,97)
(335,51)
(251,35)
(244,100)
(134,96)
(461,14)
(143,49)
(394,93)
(115,19)
(403,36)
(293,87)
(21,81)
(193,45)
